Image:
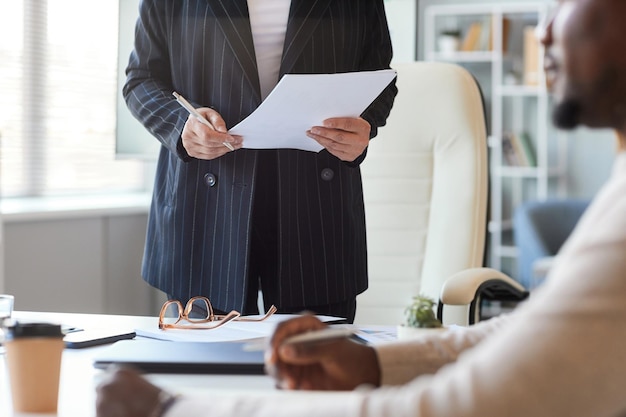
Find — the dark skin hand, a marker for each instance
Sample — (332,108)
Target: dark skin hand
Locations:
(125,393)
(329,365)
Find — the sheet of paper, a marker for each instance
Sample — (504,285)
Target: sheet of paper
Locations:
(221,334)
(232,331)
(375,335)
(301,101)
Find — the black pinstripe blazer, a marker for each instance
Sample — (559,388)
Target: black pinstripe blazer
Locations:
(199,225)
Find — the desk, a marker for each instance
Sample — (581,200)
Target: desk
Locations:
(79,378)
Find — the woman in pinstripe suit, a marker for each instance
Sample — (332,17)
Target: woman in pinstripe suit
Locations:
(225,223)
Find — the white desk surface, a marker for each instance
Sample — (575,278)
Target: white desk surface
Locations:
(79,378)
(77,391)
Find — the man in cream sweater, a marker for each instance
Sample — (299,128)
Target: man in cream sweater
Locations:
(561,354)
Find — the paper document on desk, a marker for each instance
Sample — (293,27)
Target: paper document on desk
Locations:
(301,101)
(230,332)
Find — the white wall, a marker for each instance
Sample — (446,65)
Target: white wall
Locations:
(86,262)
(402,18)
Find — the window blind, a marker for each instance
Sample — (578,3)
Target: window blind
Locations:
(58,91)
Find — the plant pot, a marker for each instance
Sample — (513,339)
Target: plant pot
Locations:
(448,44)
(406,332)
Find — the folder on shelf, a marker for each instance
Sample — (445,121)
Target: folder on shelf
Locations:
(485,39)
(479,36)
(527,149)
(509,152)
(506,24)
(518,150)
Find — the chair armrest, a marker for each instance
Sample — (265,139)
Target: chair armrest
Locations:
(470,286)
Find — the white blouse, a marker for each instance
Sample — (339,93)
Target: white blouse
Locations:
(268,19)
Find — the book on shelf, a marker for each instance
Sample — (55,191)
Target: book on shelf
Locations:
(485,38)
(532,65)
(510,154)
(517,150)
(472,37)
(506,24)
(479,35)
(528,150)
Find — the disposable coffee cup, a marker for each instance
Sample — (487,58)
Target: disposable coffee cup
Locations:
(33,357)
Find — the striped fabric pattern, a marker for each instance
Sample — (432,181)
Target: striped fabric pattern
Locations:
(199,227)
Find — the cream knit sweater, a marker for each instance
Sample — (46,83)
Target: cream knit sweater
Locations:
(561,354)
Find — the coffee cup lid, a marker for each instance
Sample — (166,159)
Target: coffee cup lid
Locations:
(20,330)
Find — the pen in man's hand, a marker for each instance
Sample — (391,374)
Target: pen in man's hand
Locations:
(328,333)
(314,336)
(183,102)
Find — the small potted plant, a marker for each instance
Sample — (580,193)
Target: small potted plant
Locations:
(449,41)
(420,318)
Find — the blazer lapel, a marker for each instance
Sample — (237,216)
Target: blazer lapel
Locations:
(233,18)
(303,19)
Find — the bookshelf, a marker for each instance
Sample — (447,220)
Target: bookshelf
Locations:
(498,44)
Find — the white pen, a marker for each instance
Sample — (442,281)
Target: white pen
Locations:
(322,335)
(328,333)
(183,102)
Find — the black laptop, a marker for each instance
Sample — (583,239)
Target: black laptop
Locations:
(157,356)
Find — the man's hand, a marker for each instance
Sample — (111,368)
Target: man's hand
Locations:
(344,137)
(125,393)
(203,142)
(325,365)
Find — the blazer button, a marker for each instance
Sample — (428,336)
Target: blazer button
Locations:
(327,174)
(210,179)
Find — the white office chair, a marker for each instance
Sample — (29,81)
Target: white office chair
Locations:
(426,190)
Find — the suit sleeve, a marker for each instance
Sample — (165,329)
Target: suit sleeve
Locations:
(378,56)
(149,86)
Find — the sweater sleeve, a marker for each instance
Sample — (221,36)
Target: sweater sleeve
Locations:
(403,361)
(561,354)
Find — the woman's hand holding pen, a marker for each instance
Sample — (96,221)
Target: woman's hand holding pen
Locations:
(203,141)
(344,137)
(338,364)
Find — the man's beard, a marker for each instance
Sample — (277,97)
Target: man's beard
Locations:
(566,114)
(586,103)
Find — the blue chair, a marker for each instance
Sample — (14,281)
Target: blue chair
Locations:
(540,229)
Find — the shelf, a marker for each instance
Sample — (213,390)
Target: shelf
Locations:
(500,226)
(516,107)
(521,90)
(527,172)
(485,8)
(506,251)
(478,56)
(461,57)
